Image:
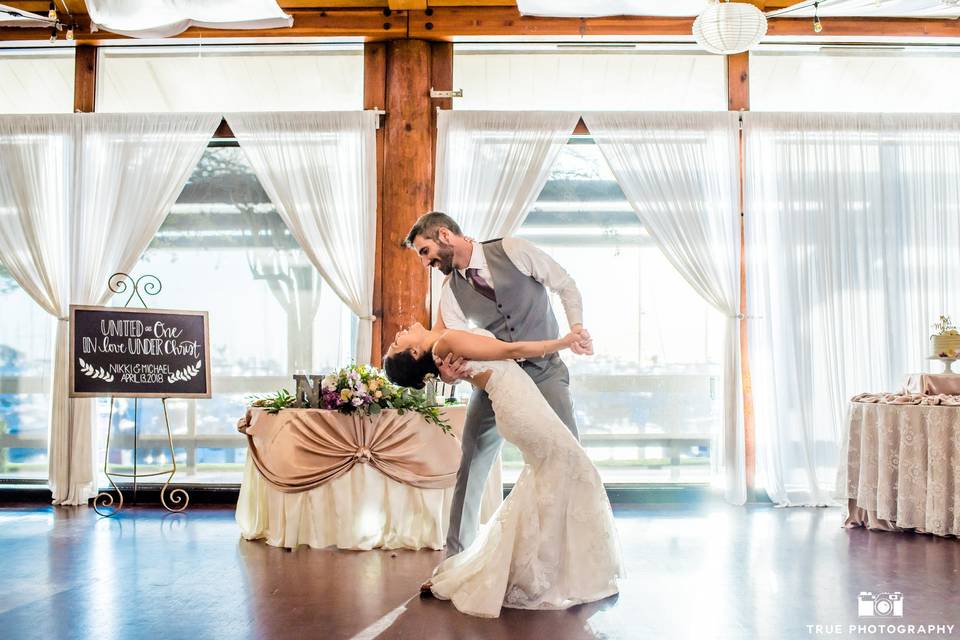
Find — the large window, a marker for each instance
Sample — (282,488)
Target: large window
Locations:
(26,341)
(649,401)
(224,249)
(230,78)
(834,78)
(36,80)
(590,77)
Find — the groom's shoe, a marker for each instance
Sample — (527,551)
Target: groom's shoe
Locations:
(426,590)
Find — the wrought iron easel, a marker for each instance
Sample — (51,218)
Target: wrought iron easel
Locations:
(104,500)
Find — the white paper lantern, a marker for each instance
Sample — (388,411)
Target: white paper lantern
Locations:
(729,27)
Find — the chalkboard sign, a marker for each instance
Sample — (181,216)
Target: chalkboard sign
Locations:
(145,353)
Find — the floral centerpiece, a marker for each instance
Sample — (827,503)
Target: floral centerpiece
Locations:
(364,390)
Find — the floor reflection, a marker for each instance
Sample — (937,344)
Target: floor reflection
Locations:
(708,571)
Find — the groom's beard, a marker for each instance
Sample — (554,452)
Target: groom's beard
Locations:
(444,259)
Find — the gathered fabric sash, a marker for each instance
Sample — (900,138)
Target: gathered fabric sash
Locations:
(300,449)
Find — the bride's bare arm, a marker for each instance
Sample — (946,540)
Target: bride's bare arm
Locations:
(475,347)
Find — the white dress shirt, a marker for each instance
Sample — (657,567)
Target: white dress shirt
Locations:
(530,261)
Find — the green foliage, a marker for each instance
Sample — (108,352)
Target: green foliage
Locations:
(404,399)
(364,390)
(273,403)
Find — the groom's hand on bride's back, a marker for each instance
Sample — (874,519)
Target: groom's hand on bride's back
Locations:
(452,368)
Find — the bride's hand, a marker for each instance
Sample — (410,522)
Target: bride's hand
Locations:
(582,343)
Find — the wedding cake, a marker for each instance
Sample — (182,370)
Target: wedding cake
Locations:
(946,342)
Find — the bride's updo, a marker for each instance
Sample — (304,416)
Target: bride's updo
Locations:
(405,370)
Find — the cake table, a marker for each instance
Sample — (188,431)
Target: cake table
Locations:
(900,463)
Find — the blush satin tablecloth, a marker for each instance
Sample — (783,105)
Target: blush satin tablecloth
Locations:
(322,478)
(933,384)
(900,466)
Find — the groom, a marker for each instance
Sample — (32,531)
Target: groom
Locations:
(499,285)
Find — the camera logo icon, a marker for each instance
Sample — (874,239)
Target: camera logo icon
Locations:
(886,604)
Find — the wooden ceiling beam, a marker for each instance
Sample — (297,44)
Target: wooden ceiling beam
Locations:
(78,8)
(407,5)
(332,4)
(472,3)
(447,23)
(33,6)
(866,27)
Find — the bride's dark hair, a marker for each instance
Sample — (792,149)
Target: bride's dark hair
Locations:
(405,370)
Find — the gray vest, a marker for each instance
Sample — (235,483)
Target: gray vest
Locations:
(522,310)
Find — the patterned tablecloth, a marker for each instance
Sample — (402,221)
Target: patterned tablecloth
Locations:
(900,466)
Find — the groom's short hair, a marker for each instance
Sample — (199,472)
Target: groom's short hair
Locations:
(428,226)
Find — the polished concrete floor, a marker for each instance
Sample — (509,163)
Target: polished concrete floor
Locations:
(693,572)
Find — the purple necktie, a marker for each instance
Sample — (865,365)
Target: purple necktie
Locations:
(479,284)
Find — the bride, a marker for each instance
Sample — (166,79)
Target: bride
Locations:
(552,543)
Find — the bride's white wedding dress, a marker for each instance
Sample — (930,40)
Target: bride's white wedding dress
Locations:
(552,543)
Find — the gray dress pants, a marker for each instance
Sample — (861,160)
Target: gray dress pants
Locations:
(481,443)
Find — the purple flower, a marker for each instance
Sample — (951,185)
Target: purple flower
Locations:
(330,399)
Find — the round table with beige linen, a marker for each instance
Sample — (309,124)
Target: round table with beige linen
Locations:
(900,463)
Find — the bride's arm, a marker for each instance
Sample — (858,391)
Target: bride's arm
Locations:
(475,347)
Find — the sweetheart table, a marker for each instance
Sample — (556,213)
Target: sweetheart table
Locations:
(323,478)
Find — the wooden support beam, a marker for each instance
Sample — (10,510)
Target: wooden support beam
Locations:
(738,99)
(738,81)
(407,182)
(375,97)
(85,79)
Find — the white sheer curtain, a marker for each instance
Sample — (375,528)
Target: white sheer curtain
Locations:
(319,169)
(36,190)
(680,172)
(852,228)
(492,165)
(81,196)
(129,170)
